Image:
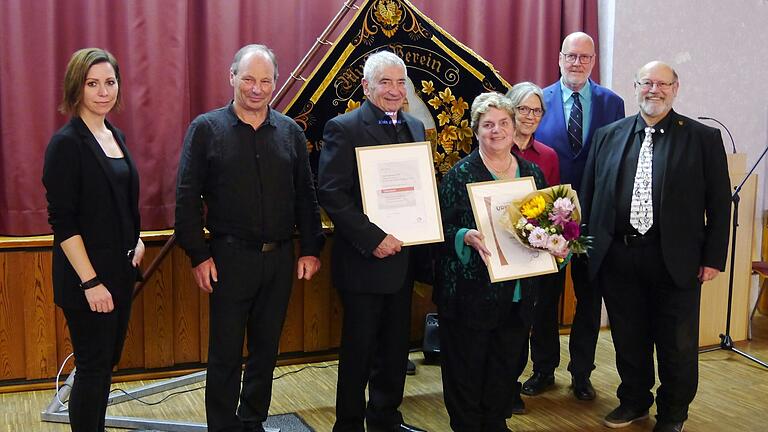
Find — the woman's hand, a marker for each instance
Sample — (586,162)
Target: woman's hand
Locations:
(99,299)
(474,239)
(138,253)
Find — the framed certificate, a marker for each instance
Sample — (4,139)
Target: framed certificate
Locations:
(399,191)
(509,259)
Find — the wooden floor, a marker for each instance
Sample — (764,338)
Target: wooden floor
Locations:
(733,395)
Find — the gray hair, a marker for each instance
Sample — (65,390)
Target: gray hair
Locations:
(520,92)
(253,48)
(485,101)
(378,61)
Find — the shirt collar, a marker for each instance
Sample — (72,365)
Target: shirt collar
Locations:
(661,127)
(584,93)
(382,117)
(531,146)
(269,120)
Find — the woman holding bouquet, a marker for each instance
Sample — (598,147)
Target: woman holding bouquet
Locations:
(483,325)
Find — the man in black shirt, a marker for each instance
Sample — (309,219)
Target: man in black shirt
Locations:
(248,163)
(371,268)
(649,182)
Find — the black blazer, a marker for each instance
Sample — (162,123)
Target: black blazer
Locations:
(81,191)
(695,183)
(354,268)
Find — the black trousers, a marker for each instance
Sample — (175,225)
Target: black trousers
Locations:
(97,340)
(373,352)
(250,297)
(480,369)
(545,334)
(647,309)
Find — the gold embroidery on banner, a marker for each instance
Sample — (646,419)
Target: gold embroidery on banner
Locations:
(453,134)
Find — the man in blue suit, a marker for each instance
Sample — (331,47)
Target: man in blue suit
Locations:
(575,108)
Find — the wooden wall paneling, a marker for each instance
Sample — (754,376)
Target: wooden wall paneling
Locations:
(33,281)
(292,338)
(12,359)
(421,305)
(317,307)
(132,356)
(63,342)
(567,300)
(186,310)
(158,314)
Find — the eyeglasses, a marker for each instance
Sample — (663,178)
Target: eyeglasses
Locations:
(581,58)
(661,85)
(525,110)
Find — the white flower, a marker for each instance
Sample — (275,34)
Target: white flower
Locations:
(538,238)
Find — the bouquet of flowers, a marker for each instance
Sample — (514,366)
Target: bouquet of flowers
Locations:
(548,219)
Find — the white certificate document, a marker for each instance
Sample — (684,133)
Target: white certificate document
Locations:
(509,259)
(399,191)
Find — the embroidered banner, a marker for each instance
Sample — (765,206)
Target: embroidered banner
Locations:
(444,77)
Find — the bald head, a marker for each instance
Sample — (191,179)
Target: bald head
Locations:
(577,37)
(656,86)
(577,58)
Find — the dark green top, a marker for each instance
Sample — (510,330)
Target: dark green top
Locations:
(464,291)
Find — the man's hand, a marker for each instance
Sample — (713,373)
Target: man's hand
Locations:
(307,266)
(707,273)
(474,239)
(99,299)
(388,247)
(204,273)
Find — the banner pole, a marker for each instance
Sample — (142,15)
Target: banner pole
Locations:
(321,40)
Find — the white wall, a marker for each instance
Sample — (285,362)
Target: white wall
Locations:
(719,49)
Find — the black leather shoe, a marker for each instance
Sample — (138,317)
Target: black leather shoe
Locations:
(582,389)
(405,427)
(517,407)
(624,416)
(668,427)
(537,383)
(411,368)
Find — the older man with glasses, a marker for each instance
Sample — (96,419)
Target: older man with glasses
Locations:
(576,106)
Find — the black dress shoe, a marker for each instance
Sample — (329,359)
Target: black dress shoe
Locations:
(668,427)
(624,416)
(582,389)
(411,368)
(537,383)
(517,407)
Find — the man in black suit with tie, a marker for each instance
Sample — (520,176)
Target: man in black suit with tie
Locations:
(371,268)
(650,181)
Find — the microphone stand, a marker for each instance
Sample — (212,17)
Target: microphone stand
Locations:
(726,342)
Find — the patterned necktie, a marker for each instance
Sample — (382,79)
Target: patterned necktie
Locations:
(575,122)
(641,210)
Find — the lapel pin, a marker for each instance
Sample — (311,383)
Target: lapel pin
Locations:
(680,122)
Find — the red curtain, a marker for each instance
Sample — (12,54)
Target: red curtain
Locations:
(174,60)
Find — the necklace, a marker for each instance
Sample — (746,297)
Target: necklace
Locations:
(488,164)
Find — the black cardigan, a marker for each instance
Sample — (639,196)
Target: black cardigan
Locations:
(81,191)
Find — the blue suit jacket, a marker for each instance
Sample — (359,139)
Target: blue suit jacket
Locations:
(607,107)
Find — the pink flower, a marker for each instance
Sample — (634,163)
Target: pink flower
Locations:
(557,246)
(571,230)
(538,238)
(562,209)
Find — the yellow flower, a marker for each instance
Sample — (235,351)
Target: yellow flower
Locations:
(435,102)
(427,87)
(464,130)
(443,118)
(534,207)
